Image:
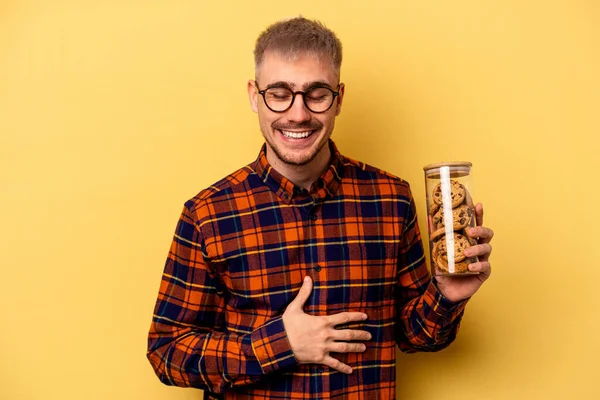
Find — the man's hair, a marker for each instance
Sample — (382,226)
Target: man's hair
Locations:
(292,37)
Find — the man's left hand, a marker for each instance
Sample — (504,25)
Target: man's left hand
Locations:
(457,288)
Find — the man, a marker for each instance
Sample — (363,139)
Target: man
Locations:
(297,275)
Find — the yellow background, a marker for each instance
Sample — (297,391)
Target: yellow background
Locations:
(113,113)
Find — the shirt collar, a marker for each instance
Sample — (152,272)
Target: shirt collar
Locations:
(324,187)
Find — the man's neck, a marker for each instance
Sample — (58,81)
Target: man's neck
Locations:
(302,175)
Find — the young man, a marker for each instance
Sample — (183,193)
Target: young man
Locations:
(296,276)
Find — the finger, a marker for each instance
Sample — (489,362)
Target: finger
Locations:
(479,214)
(481,250)
(303,294)
(482,267)
(337,365)
(345,317)
(483,234)
(349,335)
(344,347)
(430,221)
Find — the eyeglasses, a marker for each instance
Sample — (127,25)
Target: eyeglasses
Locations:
(317,99)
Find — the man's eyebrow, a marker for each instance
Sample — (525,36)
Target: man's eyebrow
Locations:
(280,84)
(315,84)
(292,85)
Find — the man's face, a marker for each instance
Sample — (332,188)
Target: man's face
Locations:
(296,136)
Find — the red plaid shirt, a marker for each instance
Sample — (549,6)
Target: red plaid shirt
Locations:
(239,254)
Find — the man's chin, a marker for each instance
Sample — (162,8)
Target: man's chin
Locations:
(297,160)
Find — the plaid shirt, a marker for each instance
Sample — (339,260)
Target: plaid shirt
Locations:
(239,254)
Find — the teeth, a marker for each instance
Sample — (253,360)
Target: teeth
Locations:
(296,135)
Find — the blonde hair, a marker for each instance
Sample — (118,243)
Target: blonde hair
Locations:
(293,37)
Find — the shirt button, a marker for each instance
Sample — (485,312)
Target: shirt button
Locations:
(313,217)
(321,370)
(318,268)
(285,196)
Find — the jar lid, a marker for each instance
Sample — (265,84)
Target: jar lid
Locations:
(429,167)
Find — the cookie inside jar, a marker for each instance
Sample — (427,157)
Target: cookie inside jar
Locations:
(451,212)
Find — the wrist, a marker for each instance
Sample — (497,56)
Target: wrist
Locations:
(447,292)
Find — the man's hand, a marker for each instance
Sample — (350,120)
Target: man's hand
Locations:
(312,338)
(457,288)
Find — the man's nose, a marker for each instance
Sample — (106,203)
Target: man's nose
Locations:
(298,111)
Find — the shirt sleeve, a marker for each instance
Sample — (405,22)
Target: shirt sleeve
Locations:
(187,343)
(428,321)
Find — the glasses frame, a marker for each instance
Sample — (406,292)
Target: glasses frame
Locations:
(303,93)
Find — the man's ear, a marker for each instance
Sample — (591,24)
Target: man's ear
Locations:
(253,95)
(340,99)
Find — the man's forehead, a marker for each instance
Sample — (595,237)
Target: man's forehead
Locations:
(296,69)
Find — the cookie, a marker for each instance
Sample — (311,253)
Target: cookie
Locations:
(457,192)
(469,200)
(435,251)
(462,216)
(460,244)
(438,218)
(437,234)
(433,207)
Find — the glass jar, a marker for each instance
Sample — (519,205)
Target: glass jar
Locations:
(450,211)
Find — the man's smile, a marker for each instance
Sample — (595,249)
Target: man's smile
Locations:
(296,135)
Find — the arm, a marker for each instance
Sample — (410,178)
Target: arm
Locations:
(187,345)
(428,320)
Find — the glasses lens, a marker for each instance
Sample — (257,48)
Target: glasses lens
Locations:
(278,99)
(319,99)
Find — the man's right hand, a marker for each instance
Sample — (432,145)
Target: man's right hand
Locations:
(312,337)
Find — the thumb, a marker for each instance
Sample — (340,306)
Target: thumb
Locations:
(303,294)
(479,214)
